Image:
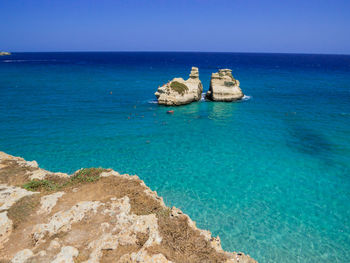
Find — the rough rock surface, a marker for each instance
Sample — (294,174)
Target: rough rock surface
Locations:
(180,91)
(10,195)
(5,228)
(22,256)
(48,202)
(66,255)
(95,215)
(224,87)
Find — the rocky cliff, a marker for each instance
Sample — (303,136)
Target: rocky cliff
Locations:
(94,215)
(180,91)
(224,87)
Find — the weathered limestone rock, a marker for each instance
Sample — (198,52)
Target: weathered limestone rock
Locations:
(48,202)
(32,170)
(125,230)
(5,228)
(54,244)
(22,256)
(19,160)
(224,87)
(180,91)
(143,257)
(109,173)
(40,174)
(66,255)
(63,220)
(10,195)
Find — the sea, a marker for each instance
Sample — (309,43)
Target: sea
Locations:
(269,174)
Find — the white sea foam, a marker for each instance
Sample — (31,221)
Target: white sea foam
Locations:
(152,101)
(246,97)
(9,61)
(23,60)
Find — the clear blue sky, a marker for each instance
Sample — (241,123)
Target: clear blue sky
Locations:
(299,26)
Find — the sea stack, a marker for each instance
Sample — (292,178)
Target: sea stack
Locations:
(180,91)
(224,87)
(5,53)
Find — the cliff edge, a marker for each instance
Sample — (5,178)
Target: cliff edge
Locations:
(94,215)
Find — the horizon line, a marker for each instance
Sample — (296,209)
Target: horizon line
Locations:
(187,51)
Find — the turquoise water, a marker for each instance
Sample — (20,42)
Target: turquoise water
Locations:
(270,175)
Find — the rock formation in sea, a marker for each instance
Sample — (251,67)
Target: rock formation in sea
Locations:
(224,87)
(180,91)
(5,53)
(94,215)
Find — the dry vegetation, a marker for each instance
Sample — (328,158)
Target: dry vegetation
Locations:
(178,87)
(20,212)
(181,243)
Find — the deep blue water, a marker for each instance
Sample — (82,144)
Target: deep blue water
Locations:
(269,175)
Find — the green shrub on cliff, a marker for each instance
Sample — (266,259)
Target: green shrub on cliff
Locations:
(178,87)
(87,175)
(51,183)
(38,185)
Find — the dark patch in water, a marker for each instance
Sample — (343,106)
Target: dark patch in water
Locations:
(309,141)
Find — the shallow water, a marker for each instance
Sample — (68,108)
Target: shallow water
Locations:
(270,175)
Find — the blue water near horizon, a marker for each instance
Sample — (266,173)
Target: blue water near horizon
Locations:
(270,175)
